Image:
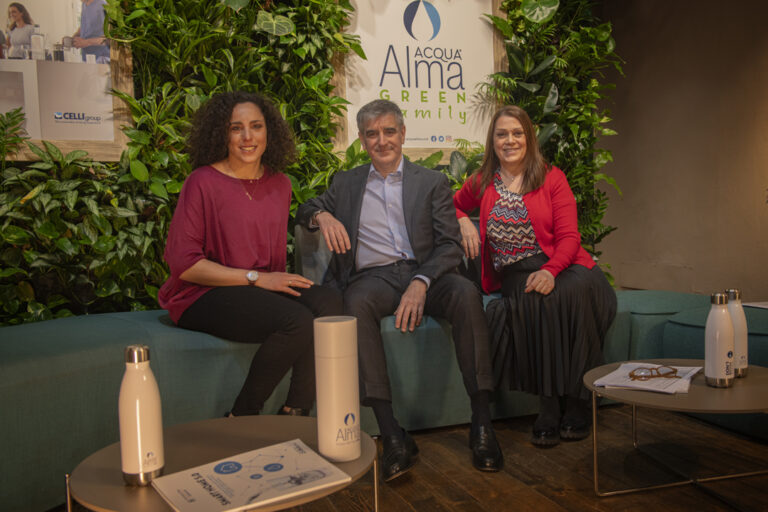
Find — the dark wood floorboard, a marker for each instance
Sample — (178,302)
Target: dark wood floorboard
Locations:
(560,479)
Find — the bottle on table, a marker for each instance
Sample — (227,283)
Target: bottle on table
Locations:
(338,394)
(718,343)
(740,333)
(141,421)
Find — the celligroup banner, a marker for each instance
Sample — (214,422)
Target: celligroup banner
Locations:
(428,56)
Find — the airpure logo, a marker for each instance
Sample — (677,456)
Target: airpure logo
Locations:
(76,117)
(421,20)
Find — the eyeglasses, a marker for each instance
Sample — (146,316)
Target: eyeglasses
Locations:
(666,372)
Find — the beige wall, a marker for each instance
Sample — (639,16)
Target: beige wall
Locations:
(691,156)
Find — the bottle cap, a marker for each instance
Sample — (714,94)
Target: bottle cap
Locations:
(719,298)
(733,294)
(136,353)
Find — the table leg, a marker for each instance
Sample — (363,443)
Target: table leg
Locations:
(376,484)
(688,479)
(634,425)
(67,494)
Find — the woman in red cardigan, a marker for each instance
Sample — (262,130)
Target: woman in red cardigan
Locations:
(558,305)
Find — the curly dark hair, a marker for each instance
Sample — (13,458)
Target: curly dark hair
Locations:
(209,140)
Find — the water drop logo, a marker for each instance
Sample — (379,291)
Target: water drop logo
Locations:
(420,16)
(349,419)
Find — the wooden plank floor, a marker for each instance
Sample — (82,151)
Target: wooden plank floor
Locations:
(560,478)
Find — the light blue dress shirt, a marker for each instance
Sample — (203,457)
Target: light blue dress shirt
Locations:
(382,238)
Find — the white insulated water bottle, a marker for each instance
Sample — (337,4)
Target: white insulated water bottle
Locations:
(338,396)
(718,340)
(141,422)
(740,333)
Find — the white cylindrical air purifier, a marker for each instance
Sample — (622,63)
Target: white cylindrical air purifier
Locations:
(141,421)
(338,396)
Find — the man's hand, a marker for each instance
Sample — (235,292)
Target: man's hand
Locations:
(411,308)
(541,281)
(334,232)
(470,238)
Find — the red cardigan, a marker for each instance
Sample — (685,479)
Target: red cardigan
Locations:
(552,210)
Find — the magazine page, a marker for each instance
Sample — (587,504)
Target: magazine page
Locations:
(249,480)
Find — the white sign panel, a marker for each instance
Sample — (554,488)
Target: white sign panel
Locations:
(428,56)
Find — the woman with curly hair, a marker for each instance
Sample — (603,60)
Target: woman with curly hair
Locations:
(227,249)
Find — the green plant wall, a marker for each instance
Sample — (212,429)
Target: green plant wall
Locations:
(556,52)
(79,236)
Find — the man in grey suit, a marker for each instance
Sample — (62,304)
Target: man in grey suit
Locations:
(395,240)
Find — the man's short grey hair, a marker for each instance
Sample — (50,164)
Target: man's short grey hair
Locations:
(376,109)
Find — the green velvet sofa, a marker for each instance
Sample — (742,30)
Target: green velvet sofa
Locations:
(59,381)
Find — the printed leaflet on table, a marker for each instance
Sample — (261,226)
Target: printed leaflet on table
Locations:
(250,480)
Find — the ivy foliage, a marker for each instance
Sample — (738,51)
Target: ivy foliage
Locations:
(557,52)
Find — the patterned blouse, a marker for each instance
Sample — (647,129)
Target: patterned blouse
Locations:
(510,233)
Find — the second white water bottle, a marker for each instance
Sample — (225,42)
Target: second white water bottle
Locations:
(141,421)
(718,343)
(338,396)
(740,333)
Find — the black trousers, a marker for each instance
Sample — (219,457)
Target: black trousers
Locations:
(281,323)
(375,293)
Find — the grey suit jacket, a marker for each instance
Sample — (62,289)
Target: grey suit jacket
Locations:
(430,219)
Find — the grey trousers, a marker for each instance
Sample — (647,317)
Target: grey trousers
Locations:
(375,293)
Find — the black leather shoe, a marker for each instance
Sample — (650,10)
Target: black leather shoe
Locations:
(292,411)
(398,456)
(574,428)
(545,436)
(486,453)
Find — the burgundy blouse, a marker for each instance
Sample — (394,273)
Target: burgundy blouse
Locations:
(216,219)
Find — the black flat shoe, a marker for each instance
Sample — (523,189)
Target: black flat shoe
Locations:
(398,456)
(574,429)
(545,436)
(486,453)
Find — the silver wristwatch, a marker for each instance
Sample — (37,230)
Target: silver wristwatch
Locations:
(252,276)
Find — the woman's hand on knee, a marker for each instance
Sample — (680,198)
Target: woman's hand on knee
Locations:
(541,281)
(282,282)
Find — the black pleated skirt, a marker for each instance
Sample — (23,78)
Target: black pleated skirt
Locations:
(544,344)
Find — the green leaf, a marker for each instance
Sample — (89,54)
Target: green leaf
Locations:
(210,76)
(53,151)
(25,291)
(529,86)
(545,132)
(139,171)
(48,229)
(107,288)
(458,165)
(104,244)
(540,11)
(544,64)
(66,246)
(235,4)
(551,102)
(7,272)
(158,189)
(135,14)
(276,25)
